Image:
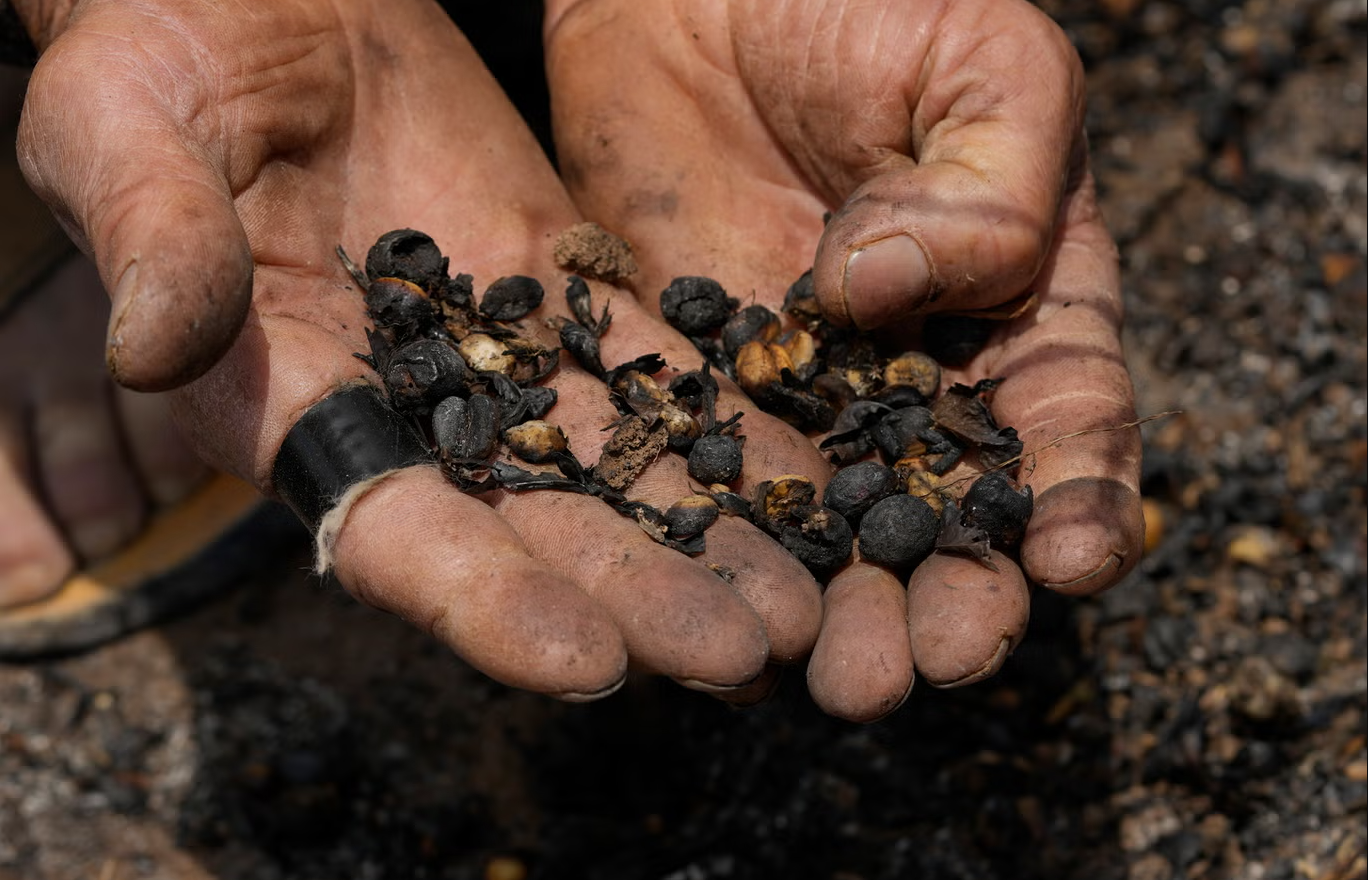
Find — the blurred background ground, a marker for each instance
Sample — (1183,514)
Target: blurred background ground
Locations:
(1204,720)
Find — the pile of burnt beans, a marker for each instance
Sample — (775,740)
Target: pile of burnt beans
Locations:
(892,434)
(469,376)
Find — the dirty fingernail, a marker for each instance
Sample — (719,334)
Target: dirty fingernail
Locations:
(885,280)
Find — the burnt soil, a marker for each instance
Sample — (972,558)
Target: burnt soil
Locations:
(1206,719)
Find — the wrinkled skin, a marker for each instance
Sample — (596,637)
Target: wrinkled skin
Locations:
(225,155)
(946,139)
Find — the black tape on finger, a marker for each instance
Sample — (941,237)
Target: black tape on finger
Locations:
(349,437)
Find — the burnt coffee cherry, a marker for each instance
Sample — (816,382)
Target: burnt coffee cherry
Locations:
(774,500)
(485,353)
(760,368)
(800,300)
(752,323)
(856,488)
(511,297)
(410,255)
(690,516)
(539,400)
(466,431)
(850,436)
(394,302)
(716,458)
(421,374)
(902,430)
(536,441)
(695,306)
(581,342)
(899,531)
(817,536)
(1001,508)
(899,396)
(728,502)
(914,369)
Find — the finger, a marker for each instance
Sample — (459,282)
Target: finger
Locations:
(1068,393)
(148,185)
(965,618)
(861,668)
(952,201)
(417,547)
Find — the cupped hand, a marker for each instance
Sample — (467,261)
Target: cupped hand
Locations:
(945,140)
(211,159)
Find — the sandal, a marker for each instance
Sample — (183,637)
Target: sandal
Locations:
(188,554)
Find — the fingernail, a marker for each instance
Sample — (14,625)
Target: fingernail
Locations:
(590,696)
(885,280)
(125,289)
(987,670)
(30,582)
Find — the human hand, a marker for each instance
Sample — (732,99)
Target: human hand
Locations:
(224,156)
(947,141)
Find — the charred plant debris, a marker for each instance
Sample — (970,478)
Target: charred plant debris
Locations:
(469,372)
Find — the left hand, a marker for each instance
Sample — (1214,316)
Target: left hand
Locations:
(947,141)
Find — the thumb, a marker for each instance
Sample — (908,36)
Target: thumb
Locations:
(959,212)
(146,201)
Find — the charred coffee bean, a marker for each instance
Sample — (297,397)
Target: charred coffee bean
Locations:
(581,342)
(856,488)
(913,369)
(511,297)
(466,431)
(536,441)
(396,303)
(715,458)
(759,369)
(901,430)
(410,255)
(899,396)
(818,537)
(728,502)
(748,325)
(776,499)
(850,436)
(1001,508)
(691,516)
(539,400)
(458,292)
(899,531)
(800,300)
(835,390)
(695,305)
(680,424)
(485,353)
(513,408)
(421,374)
